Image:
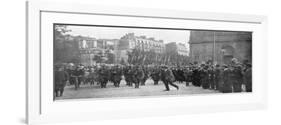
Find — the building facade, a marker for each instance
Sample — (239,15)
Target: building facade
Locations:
(220,46)
(94,51)
(178,48)
(129,42)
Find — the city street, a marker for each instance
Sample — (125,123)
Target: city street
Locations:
(87,91)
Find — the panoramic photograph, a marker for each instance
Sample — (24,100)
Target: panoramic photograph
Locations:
(92,61)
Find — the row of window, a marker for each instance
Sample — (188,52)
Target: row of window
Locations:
(150,43)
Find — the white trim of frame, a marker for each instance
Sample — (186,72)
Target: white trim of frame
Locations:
(33,55)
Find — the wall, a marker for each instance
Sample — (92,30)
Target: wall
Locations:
(12,92)
(227,45)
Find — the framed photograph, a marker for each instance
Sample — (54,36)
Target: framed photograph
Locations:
(92,62)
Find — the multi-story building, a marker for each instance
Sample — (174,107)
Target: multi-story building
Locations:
(129,42)
(220,46)
(90,48)
(178,48)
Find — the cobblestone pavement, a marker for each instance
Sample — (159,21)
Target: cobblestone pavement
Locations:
(94,91)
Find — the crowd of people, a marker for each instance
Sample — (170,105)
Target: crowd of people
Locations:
(234,77)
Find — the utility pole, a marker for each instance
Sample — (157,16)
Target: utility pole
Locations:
(214,48)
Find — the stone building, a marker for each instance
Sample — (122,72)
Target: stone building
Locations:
(129,42)
(91,48)
(178,48)
(220,46)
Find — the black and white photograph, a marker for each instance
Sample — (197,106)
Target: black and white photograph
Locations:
(108,61)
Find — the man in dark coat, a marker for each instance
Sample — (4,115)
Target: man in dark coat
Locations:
(248,78)
(61,77)
(227,82)
(180,74)
(188,75)
(116,75)
(211,73)
(217,76)
(79,73)
(77,76)
(205,78)
(146,74)
(175,73)
(72,79)
(132,75)
(138,76)
(237,78)
(168,78)
(196,77)
(155,75)
(125,72)
(103,76)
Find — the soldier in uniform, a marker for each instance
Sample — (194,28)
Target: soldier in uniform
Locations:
(196,77)
(237,78)
(168,78)
(205,78)
(61,77)
(128,74)
(80,73)
(248,78)
(227,83)
(155,75)
(76,76)
(180,74)
(146,74)
(211,73)
(188,75)
(138,76)
(71,73)
(117,75)
(175,73)
(218,76)
(92,76)
(103,76)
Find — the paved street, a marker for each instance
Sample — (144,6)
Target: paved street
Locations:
(87,91)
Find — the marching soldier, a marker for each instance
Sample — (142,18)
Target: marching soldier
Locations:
(168,78)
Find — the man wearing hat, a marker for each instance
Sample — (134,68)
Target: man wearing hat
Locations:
(248,78)
(205,77)
(218,76)
(237,78)
(227,82)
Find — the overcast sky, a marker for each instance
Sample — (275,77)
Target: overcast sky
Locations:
(179,36)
